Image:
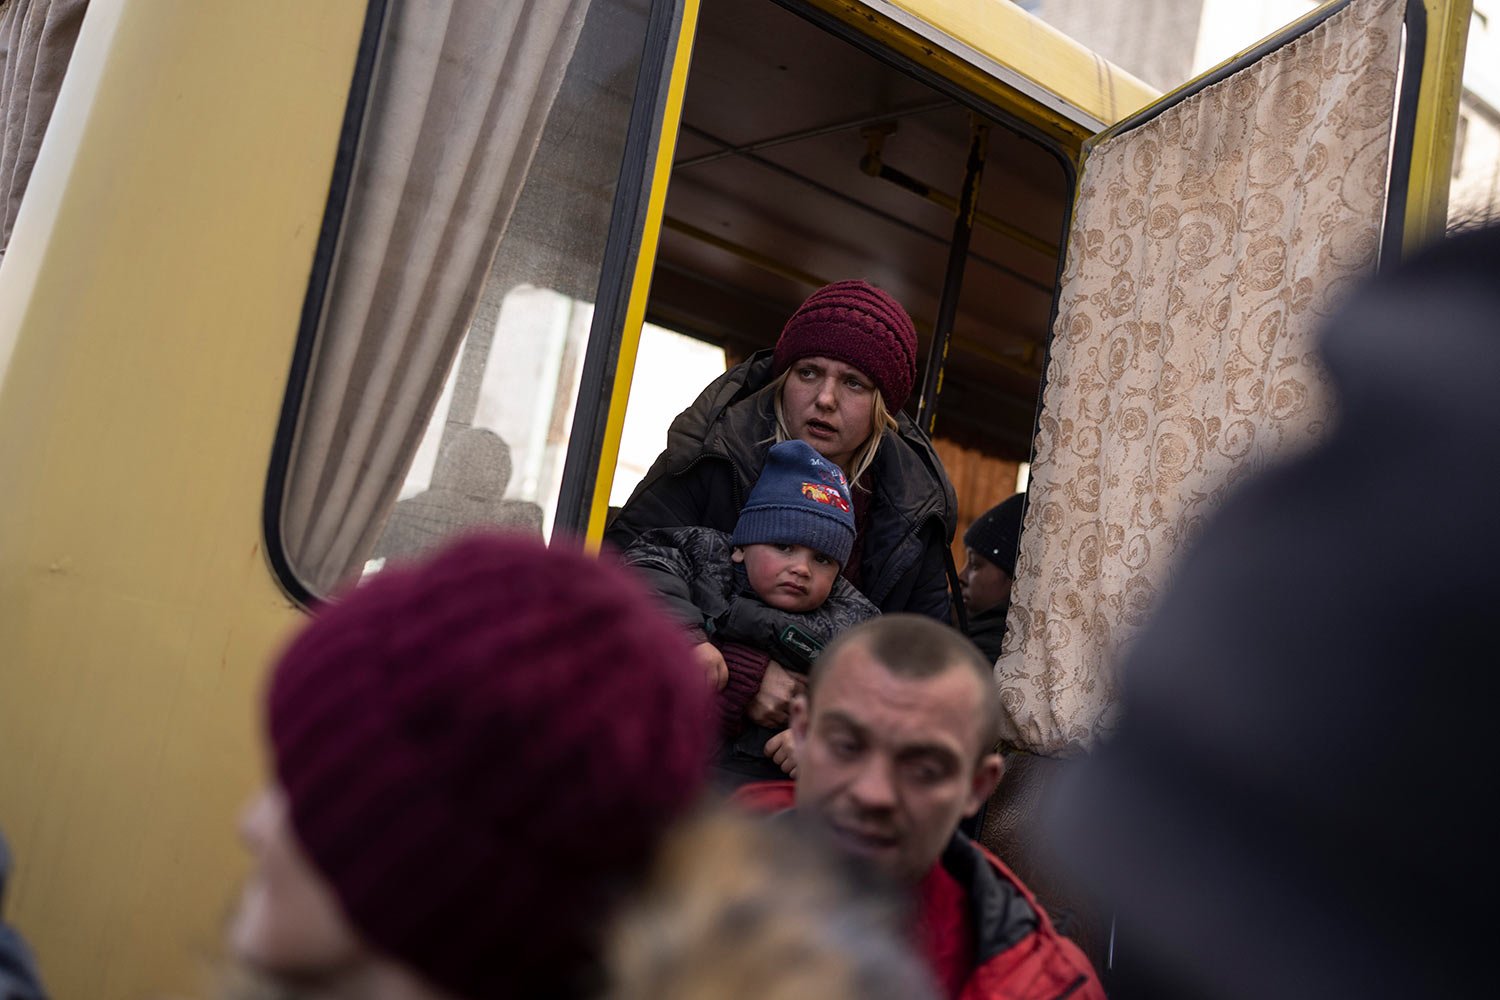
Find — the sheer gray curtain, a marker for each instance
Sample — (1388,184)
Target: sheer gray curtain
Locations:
(463,90)
(36,42)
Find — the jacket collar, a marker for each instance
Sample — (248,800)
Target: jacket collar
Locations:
(1003,913)
(990,617)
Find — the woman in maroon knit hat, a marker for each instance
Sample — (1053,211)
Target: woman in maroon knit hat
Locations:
(460,797)
(840,372)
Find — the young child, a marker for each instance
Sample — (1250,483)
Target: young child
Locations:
(770,591)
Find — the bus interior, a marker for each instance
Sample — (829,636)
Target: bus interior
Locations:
(803,159)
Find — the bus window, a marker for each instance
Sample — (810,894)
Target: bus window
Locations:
(437,380)
(670,369)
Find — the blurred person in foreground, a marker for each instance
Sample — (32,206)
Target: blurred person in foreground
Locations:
(474,758)
(1292,805)
(739,909)
(895,742)
(990,571)
(18,975)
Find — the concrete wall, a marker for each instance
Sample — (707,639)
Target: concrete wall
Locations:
(1153,39)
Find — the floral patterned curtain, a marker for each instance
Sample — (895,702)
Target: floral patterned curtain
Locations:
(1207,247)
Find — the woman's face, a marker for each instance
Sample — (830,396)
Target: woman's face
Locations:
(830,405)
(288,922)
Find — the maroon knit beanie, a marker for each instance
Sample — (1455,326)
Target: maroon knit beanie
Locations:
(480,751)
(860,325)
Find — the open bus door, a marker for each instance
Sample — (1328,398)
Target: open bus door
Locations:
(1212,232)
(760,210)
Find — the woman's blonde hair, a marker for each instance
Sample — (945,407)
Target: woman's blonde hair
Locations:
(881,421)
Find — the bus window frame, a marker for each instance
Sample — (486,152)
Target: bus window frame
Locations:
(629,256)
(624,241)
(361,86)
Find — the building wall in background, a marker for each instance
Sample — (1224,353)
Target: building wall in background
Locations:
(1166,42)
(1153,39)
(1475,192)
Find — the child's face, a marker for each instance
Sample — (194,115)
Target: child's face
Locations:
(787,577)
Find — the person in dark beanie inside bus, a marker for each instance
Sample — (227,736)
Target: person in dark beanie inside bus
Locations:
(18,975)
(990,570)
(473,759)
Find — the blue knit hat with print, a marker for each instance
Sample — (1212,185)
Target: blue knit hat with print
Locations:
(801,498)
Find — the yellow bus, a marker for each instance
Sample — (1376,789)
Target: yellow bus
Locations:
(297,287)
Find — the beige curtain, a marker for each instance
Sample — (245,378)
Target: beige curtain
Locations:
(462,93)
(1207,247)
(36,42)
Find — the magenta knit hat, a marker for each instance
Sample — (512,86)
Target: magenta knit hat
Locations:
(480,751)
(860,325)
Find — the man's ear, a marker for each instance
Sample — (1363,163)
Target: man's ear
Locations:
(987,775)
(737,554)
(799,716)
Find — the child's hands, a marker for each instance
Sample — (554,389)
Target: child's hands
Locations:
(773,702)
(715,670)
(783,750)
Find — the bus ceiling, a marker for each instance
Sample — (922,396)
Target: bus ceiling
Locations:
(815,145)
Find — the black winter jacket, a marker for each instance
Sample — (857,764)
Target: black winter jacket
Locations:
(690,568)
(987,629)
(716,449)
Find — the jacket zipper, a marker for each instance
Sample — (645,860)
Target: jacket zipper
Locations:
(1074,988)
(893,573)
(734,475)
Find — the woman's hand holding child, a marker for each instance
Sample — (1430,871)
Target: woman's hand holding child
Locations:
(715,670)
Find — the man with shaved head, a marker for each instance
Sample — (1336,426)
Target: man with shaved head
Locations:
(895,745)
